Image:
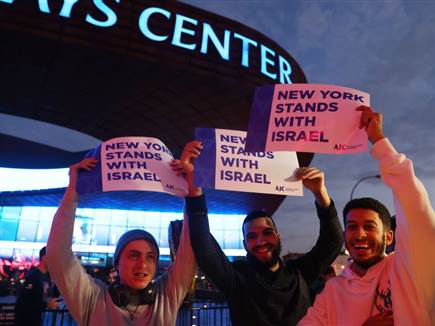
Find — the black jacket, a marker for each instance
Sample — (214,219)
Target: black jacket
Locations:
(258,296)
(30,301)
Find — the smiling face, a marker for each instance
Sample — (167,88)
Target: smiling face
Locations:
(262,241)
(137,264)
(365,237)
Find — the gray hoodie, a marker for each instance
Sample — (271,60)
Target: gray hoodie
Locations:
(89,301)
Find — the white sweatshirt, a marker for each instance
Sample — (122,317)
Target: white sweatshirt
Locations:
(404,281)
(89,301)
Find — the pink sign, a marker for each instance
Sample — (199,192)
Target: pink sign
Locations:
(315,118)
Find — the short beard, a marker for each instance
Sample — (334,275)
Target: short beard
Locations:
(276,253)
(380,254)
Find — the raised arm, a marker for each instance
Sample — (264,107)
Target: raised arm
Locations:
(210,257)
(415,217)
(182,271)
(330,238)
(76,286)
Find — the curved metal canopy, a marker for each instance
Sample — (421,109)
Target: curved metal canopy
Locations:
(61,66)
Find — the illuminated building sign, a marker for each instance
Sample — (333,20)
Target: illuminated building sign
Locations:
(167,23)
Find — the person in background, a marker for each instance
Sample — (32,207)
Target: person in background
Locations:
(376,288)
(139,297)
(112,277)
(33,297)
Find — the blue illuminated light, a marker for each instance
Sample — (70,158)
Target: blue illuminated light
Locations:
(180,29)
(66,8)
(271,63)
(32,179)
(246,42)
(209,34)
(26,228)
(285,70)
(143,23)
(43,6)
(265,61)
(111,16)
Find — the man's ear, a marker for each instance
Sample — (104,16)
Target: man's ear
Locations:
(389,236)
(244,244)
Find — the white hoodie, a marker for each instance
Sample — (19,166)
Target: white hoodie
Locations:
(404,281)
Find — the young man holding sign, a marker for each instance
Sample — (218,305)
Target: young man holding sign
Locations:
(139,298)
(375,288)
(264,290)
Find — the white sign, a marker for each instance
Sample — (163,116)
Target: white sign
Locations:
(224,164)
(139,163)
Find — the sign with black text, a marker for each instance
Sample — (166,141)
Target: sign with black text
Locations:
(307,118)
(132,163)
(224,164)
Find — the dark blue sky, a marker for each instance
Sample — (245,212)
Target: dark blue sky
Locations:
(385,48)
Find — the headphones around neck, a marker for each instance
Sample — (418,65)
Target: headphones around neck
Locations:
(121,294)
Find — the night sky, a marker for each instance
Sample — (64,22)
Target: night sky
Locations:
(385,48)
